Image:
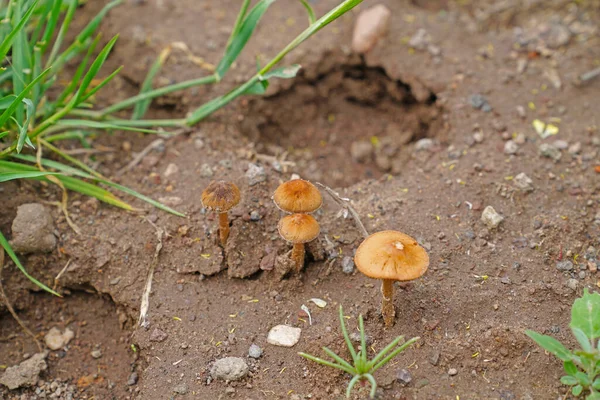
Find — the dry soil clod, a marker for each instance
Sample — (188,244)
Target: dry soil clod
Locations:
(221,196)
(391,256)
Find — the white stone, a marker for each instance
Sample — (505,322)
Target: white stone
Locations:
(523,182)
(56,340)
(284,335)
(171,169)
(491,218)
(371,25)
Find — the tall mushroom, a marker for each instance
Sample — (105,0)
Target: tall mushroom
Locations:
(297,196)
(298,229)
(391,256)
(221,196)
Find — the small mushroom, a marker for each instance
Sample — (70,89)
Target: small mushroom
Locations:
(298,196)
(221,196)
(391,256)
(298,229)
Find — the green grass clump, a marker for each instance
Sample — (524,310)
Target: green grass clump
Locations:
(37,111)
(361,368)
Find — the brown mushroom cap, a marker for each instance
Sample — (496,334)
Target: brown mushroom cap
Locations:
(298,228)
(391,255)
(298,196)
(220,196)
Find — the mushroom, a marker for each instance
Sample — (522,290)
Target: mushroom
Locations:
(298,229)
(221,196)
(391,256)
(297,196)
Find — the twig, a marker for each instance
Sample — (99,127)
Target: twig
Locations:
(143,320)
(345,204)
(62,271)
(9,306)
(155,144)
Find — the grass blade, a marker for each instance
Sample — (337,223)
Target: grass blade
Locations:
(353,382)
(113,125)
(325,362)
(93,71)
(101,84)
(346,337)
(246,29)
(70,88)
(311,13)
(23,131)
(6,44)
(337,358)
(394,354)
(20,64)
(142,106)
(238,22)
(4,243)
(51,25)
(61,35)
(9,176)
(8,112)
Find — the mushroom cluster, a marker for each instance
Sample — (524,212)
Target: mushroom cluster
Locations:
(299,198)
(391,256)
(221,196)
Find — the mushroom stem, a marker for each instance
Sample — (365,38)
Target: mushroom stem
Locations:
(223,228)
(387,302)
(298,256)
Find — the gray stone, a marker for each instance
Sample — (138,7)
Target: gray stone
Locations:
(254,351)
(510,147)
(206,171)
(479,102)
(229,369)
(556,35)
(403,377)
(491,218)
(549,151)
(424,144)
(361,151)
(347,265)
(255,216)
(158,336)
(523,182)
(56,340)
(564,266)
(32,230)
(182,389)
(133,378)
(371,25)
(572,284)
(255,174)
(25,374)
(284,335)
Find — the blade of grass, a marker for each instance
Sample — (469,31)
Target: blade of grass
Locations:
(37,70)
(337,358)
(93,71)
(346,337)
(23,131)
(51,25)
(67,136)
(70,88)
(6,44)
(39,22)
(238,22)
(9,176)
(141,107)
(394,354)
(20,63)
(72,160)
(61,35)
(311,13)
(242,36)
(8,112)
(386,349)
(353,382)
(15,259)
(113,125)
(101,84)
(325,362)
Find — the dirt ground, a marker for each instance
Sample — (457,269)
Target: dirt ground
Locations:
(484,286)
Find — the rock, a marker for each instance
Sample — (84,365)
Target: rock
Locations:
(549,151)
(347,265)
(564,266)
(424,144)
(206,171)
(133,378)
(158,336)
(523,182)
(255,216)
(171,169)
(510,147)
(478,137)
(32,230)
(421,40)
(434,358)
(371,25)
(403,377)
(267,263)
(491,218)
(26,373)
(479,102)
(284,335)
(575,148)
(254,351)
(556,35)
(229,369)
(361,151)
(97,353)
(181,389)
(561,144)
(55,340)
(572,284)
(452,371)
(255,174)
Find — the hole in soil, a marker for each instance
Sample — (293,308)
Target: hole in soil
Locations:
(348,123)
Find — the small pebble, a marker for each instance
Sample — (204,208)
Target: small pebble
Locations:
(452,371)
(510,147)
(403,377)
(96,353)
(347,265)
(254,351)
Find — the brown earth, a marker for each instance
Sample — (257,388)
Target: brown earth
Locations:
(484,286)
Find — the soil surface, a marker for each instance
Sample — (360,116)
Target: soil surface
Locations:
(471,86)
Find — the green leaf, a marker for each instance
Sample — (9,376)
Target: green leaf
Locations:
(596,384)
(258,88)
(585,315)
(242,36)
(9,176)
(551,345)
(8,111)
(593,396)
(6,44)
(570,367)
(576,390)
(583,340)
(4,243)
(568,380)
(6,101)
(282,72)
(583,379)
(23,131)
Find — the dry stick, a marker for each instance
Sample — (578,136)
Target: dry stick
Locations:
(345,204)
(9,306)
(143,321)
(62,271)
